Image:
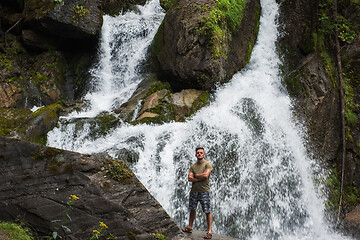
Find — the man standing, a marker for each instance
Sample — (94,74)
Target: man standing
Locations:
(199,174)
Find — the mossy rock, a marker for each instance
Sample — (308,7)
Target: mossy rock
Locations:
(294,85)
(11,118)
(28,125)
(35,9)
(166,4)
(202,43)
(106,122)
(120,172)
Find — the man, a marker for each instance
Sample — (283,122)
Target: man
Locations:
(199,174)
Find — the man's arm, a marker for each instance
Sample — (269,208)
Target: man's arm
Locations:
(191,177)
(204,175)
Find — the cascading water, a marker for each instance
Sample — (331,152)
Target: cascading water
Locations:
(124,41)
(261,183)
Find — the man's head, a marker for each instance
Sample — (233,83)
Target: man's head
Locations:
(199,153)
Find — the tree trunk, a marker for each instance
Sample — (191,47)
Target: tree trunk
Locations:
(342,107)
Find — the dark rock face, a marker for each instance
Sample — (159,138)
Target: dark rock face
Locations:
(312,80)
(66,19)
(114,7)
(318,104)
(186,57)
(37,182)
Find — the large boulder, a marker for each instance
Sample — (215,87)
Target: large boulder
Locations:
(41,184)
(202,43)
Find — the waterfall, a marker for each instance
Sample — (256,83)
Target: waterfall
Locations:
(262,179)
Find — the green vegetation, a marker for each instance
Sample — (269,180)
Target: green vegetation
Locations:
(18,121)
(166,4)
(79,13)
(39,8)
(345,33)
(223,19)
(201,101)
(351,196)
(157,87)
(15,231)
(348,30)
(120,172)
(158,236)
(106,122)
(100,231)
(61,223)
(294,84)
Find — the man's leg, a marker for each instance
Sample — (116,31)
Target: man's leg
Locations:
(192,218)
(193,200)
(206,205)
(209,221)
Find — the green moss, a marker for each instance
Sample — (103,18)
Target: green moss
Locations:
(351,196)
(223,19)
(50,110)
(158,41)
(39,8)
(294,84)
(48,153)
(38,78)
(132,236)
(308,42)
(201,101)
(42,139)
(157,87)
(10,118)
(120,172)
(166,4)
(15,231)
(106,122)
(351,117)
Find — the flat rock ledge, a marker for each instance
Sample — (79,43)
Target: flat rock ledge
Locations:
(38,181)
(197,235)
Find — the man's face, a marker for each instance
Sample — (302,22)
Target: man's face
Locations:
(200,154)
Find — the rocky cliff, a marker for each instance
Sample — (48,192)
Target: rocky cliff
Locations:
(312,79)
(38,182)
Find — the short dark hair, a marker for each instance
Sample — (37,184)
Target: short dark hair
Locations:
(198,148)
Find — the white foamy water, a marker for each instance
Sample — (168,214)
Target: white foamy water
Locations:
(124,42)
(262,185)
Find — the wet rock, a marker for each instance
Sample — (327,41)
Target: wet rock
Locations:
(28,125)
(318,103)
(191,55)
(36,41)
(127,155)
(115,7)
(10,94)
(351,223)
(37,182)
(65,19)
(139,94)
(153,100)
